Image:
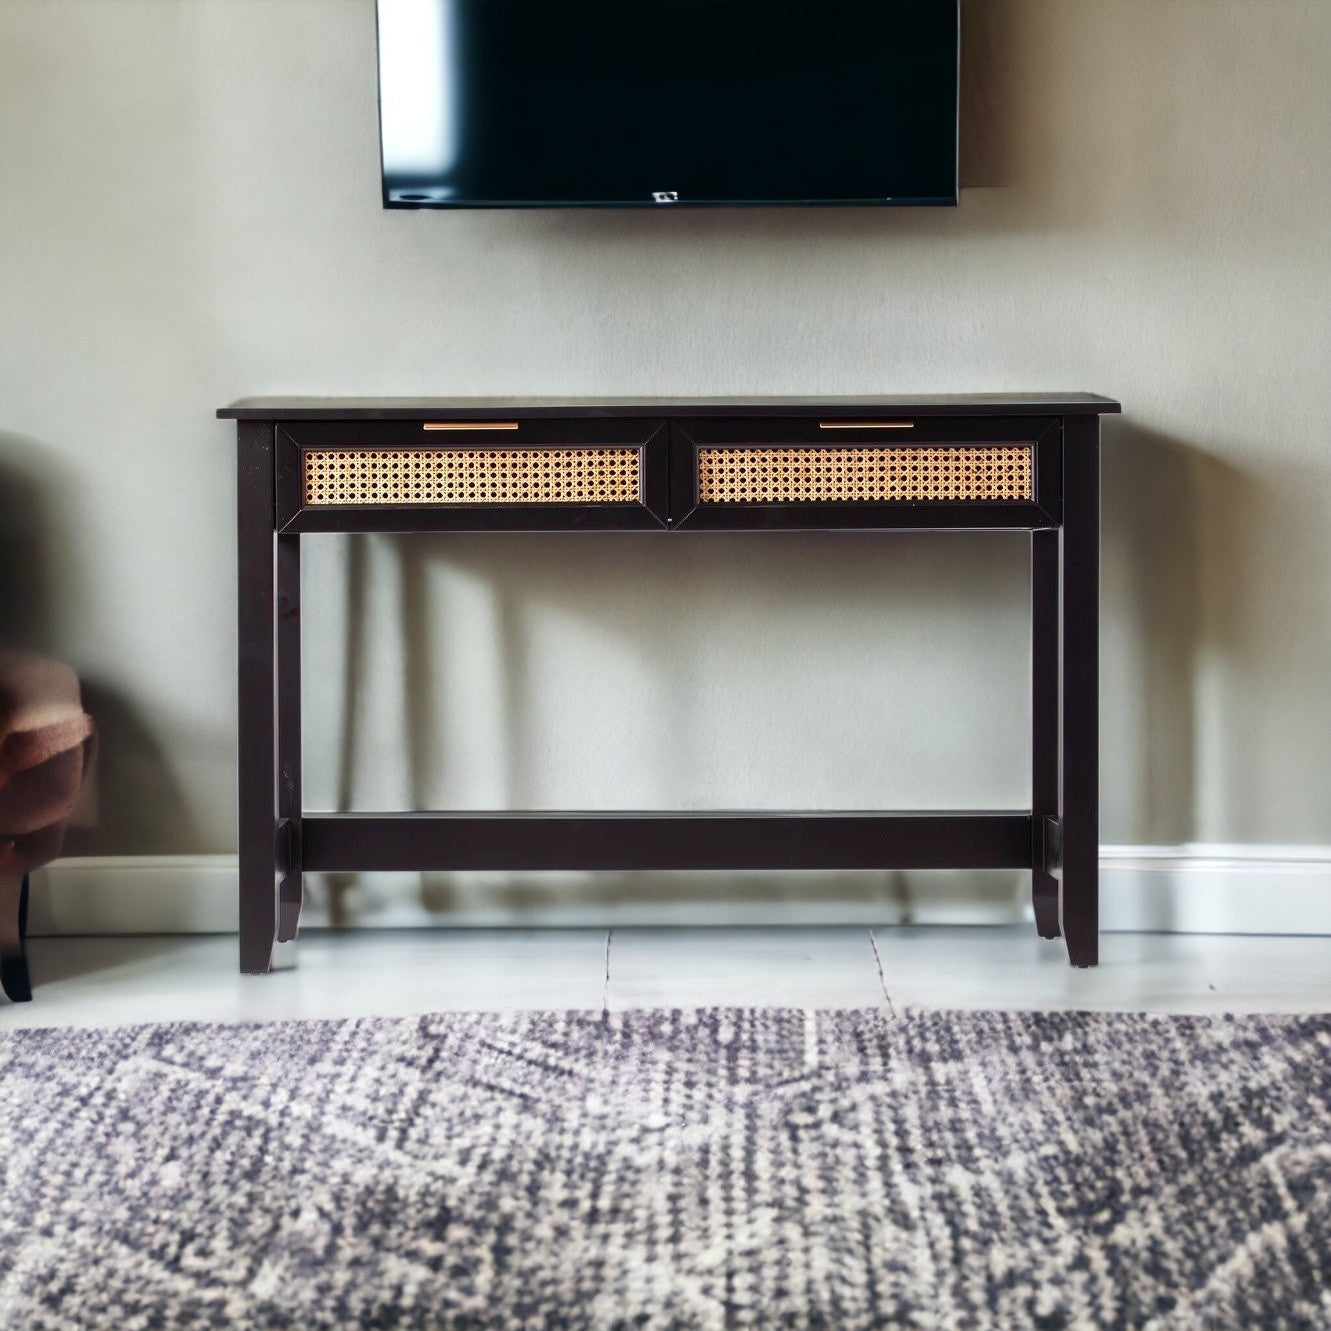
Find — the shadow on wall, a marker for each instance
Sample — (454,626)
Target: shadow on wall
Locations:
(712,575)
(712,578)
(1152,577)
(1180,527)
(987,94)
(716,584)
(136,806)
(25,556)
(600,900)
(141,809)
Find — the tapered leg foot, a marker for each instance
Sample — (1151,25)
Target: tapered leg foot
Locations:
(14,977)
(1081,926)
(288,908)
(255,959)
(1084,950)
(1044,897)
(258,932)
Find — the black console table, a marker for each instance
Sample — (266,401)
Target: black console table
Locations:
(1029,463)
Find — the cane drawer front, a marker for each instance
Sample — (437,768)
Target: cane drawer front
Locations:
(851,472)
(809,474)
(453,476)
(579,473)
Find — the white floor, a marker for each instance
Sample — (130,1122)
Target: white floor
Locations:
(116,980)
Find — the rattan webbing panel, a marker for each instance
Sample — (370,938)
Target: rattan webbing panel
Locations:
(798,475)
(452,476)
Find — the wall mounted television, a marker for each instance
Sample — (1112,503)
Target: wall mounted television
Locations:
(627,103)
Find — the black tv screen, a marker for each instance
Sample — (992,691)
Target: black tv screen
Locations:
(620,103)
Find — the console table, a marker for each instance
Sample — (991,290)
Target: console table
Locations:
(1028,463)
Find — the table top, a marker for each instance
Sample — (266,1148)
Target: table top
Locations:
(462,408)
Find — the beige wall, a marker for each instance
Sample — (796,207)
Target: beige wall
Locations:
(190,213)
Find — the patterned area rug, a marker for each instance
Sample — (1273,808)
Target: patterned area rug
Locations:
(669,1170)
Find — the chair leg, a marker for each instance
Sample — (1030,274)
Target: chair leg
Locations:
(14,977)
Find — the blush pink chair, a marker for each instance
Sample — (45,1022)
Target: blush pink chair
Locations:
(46,750)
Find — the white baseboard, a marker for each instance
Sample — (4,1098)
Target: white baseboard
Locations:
(1174,889)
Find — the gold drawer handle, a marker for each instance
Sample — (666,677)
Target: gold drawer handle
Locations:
(866,425)
(469,425)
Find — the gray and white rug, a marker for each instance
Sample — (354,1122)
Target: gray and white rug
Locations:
(671,1170)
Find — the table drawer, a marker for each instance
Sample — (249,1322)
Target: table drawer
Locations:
(453,476)
(485,475)
(853,473)
(875,475)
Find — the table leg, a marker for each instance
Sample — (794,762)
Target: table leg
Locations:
(256,714)
(1079,686)
(1045,635)
(290,890)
